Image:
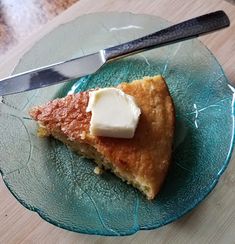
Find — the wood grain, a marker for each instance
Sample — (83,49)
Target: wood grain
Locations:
(19,18)
(213,221)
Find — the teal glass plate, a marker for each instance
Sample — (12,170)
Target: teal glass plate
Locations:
(46,177)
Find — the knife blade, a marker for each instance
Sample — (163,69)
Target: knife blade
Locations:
(82,66)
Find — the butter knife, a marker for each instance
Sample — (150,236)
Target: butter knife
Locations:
(82,66)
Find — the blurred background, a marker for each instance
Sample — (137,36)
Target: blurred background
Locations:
(19,18)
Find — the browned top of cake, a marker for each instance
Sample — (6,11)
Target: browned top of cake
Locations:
(146,156)
(67,114)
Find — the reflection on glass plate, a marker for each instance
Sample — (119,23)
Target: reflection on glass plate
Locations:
(45,176)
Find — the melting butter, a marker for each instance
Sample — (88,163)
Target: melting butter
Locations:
(114,113)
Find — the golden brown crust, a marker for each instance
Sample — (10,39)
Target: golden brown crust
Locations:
(67,114)
(146,157)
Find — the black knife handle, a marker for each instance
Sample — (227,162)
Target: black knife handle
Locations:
(185,30)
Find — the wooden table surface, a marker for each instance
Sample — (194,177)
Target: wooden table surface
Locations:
(213,221)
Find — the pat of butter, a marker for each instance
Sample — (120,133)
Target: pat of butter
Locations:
(114,113)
